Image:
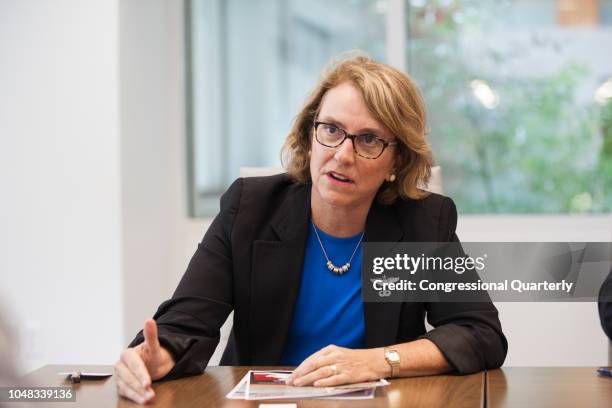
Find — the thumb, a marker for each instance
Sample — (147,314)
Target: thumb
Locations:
(150,335)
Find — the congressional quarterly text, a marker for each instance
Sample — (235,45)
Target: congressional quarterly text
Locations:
(516,285)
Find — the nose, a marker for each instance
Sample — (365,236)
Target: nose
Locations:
(345,153)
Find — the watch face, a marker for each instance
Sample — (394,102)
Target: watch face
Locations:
(393,356)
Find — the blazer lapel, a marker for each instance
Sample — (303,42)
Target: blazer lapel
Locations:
(276,276)
(381,319)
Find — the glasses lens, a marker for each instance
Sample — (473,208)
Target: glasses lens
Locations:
(329,135)
(368,146)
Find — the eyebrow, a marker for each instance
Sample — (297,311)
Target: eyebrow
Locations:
(376,131)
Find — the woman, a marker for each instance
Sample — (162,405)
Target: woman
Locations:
(283,254)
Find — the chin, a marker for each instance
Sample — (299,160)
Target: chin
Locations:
(337,199)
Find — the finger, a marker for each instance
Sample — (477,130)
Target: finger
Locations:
(307,366)
(126,391)
(122,386)
(338,379)
(312,363)
(150,335)
(133,360)
(123,372)
(318,374)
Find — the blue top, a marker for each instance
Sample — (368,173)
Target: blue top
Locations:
(329,308)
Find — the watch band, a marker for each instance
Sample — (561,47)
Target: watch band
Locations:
(393,359)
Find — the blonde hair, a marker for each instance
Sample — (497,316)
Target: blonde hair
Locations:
(394,100)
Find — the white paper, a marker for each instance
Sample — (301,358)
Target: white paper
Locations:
(271,385)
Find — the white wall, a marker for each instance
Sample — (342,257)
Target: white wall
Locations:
(60,206)
(159,238)
(92,164)
(147,86)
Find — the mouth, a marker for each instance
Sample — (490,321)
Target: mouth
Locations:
(339,177)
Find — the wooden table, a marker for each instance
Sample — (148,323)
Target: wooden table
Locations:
(548,387)
(507,387)
(209,390)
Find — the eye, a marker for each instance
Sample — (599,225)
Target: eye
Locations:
(369,140)
(331,129)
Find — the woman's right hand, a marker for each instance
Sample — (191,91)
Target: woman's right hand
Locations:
(142,364)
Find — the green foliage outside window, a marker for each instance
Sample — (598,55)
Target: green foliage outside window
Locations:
(536,146)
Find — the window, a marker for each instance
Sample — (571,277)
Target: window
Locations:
(519,93)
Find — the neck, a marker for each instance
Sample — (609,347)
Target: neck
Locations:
(338,221)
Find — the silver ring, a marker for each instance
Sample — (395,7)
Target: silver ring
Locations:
(334,369)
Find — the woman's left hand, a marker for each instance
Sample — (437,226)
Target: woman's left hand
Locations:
(333,365)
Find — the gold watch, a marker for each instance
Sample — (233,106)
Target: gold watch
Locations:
(393,359)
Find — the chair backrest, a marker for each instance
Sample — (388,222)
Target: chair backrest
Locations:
(435,184)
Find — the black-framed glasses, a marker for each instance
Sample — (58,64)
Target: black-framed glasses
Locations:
(365,145)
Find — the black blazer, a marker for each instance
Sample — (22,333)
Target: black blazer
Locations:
(250,261)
